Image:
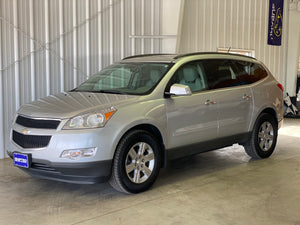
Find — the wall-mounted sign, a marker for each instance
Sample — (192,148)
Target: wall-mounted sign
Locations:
(275,22)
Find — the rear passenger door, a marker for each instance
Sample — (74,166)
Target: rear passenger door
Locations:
(235,103)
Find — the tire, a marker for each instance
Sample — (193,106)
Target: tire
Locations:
(137,162)
(263,138)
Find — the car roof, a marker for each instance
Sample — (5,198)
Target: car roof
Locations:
(150,58)
(169,58)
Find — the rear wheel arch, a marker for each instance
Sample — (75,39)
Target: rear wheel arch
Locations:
(271,112)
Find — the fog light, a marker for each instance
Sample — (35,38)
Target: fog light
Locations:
(78,153)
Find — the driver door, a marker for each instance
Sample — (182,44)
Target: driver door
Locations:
(191,119)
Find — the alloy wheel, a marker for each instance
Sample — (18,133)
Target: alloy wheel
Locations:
(265,136)
(139,162)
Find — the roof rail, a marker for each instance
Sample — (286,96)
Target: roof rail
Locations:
(205,53)
(145,55)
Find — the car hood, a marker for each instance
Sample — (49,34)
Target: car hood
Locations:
(70,104)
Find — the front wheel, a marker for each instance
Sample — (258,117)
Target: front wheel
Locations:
(137,162)
(264,136)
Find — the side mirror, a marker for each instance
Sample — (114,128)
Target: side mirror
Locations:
(180,89)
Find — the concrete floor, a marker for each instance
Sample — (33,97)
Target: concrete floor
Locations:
(220,187)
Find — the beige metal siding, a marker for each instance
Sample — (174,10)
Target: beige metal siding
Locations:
(49,46)
(239,24)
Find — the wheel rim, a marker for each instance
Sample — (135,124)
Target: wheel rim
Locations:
(265,136)
(139,162)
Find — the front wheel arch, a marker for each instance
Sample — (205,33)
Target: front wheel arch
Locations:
(127,165)
(155,132)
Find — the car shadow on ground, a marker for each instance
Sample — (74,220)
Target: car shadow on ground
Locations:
(202,164)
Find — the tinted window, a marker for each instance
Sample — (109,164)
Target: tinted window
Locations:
(191,74)
(220,73)
(248,72)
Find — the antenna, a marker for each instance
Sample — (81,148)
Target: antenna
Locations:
(228,49)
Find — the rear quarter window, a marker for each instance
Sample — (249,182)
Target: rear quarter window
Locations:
(248,72)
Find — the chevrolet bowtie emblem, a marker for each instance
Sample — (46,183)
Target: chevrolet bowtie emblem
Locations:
(25,131)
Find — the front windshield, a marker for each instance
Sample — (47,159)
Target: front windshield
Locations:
(126,78)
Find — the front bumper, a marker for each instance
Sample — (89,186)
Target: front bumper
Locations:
(47,162)
(79,173)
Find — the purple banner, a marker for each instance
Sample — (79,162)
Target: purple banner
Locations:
(275,22)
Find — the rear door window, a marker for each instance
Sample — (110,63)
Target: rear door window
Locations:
(220,73)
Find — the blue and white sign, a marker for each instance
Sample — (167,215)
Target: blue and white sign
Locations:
(21,160)
(275,22)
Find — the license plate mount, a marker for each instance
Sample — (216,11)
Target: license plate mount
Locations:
(22,160)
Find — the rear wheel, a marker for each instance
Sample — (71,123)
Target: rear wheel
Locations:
(137,162)
(264,136)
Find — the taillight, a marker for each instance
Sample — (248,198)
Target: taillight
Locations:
(280,86)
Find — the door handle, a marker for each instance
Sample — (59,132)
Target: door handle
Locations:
(246,97)
(208,102)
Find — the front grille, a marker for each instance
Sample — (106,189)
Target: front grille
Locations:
(30,141)
(37,123)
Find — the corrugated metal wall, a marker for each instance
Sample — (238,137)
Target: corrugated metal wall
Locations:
(48,46)
(240,24)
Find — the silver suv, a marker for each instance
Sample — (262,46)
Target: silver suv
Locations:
(124,122)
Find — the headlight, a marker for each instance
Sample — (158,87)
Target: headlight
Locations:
(77,122)
(95,119)
(90,120)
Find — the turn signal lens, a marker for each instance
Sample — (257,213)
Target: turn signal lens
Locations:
(108,115)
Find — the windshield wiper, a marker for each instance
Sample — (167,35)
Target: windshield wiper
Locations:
(112,92)
(101,91)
